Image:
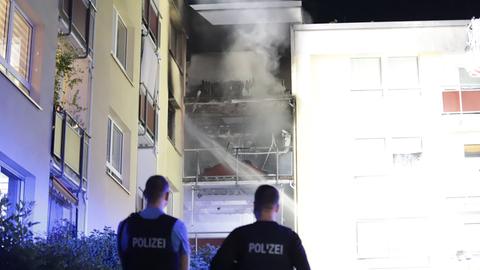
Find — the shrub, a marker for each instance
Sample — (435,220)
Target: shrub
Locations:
(62,249)
(200,260)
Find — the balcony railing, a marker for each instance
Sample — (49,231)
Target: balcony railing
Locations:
(77,19)
(69,148)
(147,118)
(204,165)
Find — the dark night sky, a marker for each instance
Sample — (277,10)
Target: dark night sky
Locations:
(390,10)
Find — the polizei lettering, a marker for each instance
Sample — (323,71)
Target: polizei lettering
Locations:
(143,242)
(262,248)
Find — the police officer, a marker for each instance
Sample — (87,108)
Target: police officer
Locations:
(264,244)
(152,239)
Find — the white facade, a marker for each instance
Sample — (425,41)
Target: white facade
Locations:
(387,164)
(26,116)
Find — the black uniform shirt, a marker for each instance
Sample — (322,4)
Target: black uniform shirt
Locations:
(262,245)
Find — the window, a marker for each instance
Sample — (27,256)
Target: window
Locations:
(120,39)
(406,151)
(15,42)
(115,149)
(392,238)
(472,150)
(150,19)
(370,157)
(177,45)
(172,111)
(11,186)
(62,207)
(366,73)
(465,100)
(402,72)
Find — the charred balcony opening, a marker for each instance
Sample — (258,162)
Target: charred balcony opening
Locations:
(239,124)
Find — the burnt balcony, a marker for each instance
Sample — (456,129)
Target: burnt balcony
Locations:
(238,165)
(147,119)
(77,22)
(69,150)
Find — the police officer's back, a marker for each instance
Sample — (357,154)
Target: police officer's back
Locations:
(152,239)
(264,244)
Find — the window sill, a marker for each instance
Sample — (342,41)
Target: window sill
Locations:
(122,68)
(23,89)
(117,181)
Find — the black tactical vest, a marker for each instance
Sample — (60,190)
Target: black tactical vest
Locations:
(264,245)
(150,244)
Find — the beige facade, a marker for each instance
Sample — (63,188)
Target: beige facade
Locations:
(111,196)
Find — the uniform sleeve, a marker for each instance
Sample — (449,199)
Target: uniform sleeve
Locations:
(227,255)
(298,255)
(180,238)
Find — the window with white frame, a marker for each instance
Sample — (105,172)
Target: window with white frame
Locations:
(16,34)
(115,141)
(120,39)
(366,73)
(406,151)
(390,238)
(402,72)
(370,157)
(11,186)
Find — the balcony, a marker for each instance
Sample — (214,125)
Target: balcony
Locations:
(238,165)
(69,149)
(150,19)
(77,22)
(147,119)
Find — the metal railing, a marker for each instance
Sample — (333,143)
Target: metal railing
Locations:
(199,165)
(69,147)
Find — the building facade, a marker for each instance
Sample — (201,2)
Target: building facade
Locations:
(160,149)
(98,105)
(388,140)
(27,65)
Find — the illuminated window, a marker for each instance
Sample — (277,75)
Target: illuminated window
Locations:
(402,72)
(392,238)
(370,157)
(472,150)
(465,100)
(15,42)
(115,149)
(406,151)
(366,73)
(120,40)
(11,187)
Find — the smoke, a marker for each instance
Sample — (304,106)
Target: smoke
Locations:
(265,43)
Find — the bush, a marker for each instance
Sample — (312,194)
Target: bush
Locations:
(62,249)
(200,260)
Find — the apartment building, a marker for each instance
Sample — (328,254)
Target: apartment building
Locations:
(163,79)
(27,67)
(387,146)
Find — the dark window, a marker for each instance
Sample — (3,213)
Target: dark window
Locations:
(80,18)
(150,19)
(171,121)
(151,117)
(141,107)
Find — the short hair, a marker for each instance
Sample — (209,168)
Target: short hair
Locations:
(266,197)
(155,187)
